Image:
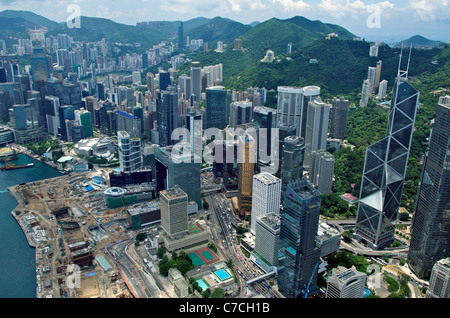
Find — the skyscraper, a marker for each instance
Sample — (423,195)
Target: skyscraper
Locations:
(164,81)
(376,82)
(174,211)
(321,170)
(440,280)
(266,195)
(130,158)
(240,113)
(246,170)
(178,169)
(194,124)
(290,107)
(316,129)
(365,93)
(299,255)
(180,37)
(216,104)
(430,228)
(382,89)
(338,118)
(293,154)
(267,241)
(385,168)
(167,116)
(196,83)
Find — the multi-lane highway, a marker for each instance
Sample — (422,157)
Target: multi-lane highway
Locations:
(223,232)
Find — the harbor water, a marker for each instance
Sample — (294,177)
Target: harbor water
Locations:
(17,258)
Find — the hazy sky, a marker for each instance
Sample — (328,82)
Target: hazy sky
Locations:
(388,21)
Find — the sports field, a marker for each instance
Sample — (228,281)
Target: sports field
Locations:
(202,256)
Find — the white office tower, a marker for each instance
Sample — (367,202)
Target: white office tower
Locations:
(267,241)
(440,280)
(130,158)
(346,283)
(316,129)
(174,211)
(266,196)
(365,93)
(382,89)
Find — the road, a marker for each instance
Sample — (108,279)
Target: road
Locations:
(141,283)
(224,234)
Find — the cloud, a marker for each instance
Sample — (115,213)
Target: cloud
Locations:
(429,10)
(340,9)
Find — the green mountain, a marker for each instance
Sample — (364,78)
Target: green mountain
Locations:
(94,29)
(16,23)
(170,28)
(218,29)
(319,27)
(275,34)
(28,18)
(419,41)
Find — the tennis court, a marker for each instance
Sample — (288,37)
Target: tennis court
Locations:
(196,259)
(202,256)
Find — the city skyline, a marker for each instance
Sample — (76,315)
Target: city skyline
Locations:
(387,21)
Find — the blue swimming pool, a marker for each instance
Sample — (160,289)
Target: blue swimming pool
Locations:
(202,284)
(222,274)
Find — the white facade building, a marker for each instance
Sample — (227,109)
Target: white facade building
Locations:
(266,196)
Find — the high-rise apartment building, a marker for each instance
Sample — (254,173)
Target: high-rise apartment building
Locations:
(338,117)
(346,283)
(440,280)
(430,227)
(130,158)
(382,89)
(316,129)
(365,93)
(376,82)
(385,168)
(299,254)
(266,195)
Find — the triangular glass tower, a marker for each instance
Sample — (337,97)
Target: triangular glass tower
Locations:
(385,168)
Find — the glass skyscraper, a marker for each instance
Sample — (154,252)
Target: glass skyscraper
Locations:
(299,254)
(430,230)
(385,169)
(216,104)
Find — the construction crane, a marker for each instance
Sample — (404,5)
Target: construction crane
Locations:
(305,290)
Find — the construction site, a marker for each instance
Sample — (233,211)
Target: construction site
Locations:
(66,219)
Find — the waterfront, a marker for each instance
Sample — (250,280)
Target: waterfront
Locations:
(17,260)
